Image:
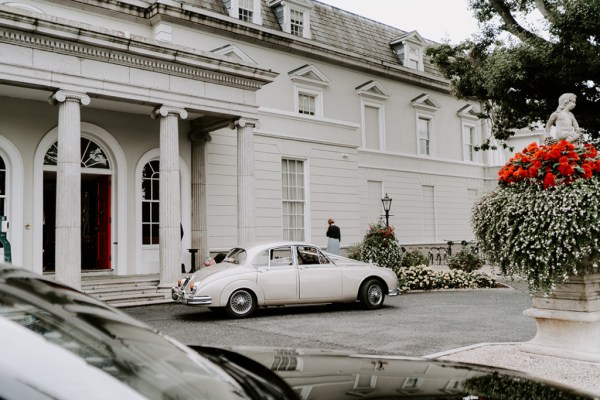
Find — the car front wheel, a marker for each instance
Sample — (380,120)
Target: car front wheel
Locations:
(371,294)
(241,304)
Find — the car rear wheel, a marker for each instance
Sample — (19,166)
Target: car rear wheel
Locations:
(241,304)
(371,294)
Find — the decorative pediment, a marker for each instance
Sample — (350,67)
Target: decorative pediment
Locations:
(309,74)
(409,37)
(468,112)
(234,52)
(425,102)
(305,4)
(373,89)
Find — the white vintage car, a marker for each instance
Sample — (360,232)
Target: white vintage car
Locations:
(284,273)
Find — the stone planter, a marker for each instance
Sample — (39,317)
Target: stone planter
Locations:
(568,321)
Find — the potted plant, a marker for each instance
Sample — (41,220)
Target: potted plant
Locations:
(543,222)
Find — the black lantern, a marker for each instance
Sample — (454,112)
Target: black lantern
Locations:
(387,204)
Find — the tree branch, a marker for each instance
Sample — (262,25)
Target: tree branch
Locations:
(510,23)
(546,10)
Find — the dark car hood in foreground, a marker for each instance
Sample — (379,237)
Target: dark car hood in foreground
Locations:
(327,375)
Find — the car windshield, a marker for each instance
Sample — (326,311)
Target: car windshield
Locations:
(113,343)
(235,256)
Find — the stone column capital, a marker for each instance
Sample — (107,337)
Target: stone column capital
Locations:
(197,135)
(245,122)
(60,96)
(163,111)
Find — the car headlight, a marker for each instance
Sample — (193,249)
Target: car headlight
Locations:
(195,286)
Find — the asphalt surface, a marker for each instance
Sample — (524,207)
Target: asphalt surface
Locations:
(412,324)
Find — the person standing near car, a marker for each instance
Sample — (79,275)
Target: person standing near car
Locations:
(335,236)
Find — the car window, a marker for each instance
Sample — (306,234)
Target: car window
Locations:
(281,256)
(276,257)
(310,255)
(236,256)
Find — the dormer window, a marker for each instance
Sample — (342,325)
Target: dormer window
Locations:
(293,16)
(244,10)
(409,49)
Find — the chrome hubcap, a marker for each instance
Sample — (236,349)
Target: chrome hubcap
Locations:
(375,294)
(241,302)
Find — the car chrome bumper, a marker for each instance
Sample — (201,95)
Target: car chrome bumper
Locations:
(394,292)
(182,297)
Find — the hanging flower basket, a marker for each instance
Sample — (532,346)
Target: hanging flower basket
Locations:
(543,219)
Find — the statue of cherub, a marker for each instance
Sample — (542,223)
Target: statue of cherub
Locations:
(563,119)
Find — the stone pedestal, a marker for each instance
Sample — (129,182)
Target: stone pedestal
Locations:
(568,321)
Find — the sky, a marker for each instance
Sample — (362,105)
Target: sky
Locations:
(434,19)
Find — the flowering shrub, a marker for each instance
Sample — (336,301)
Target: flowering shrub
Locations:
(380,246)
(543,220)
(424,278)
(414,257)
(465,260)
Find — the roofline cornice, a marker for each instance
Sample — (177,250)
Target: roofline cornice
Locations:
(199,18)
(80,40)
(252,33)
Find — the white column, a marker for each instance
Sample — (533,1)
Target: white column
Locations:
(199,209)
(245,179)
(68,187)
(169,231)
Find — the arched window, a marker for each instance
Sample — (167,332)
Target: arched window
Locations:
(150,202)
(92,155)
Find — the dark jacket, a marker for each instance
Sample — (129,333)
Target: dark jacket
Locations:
(334,232)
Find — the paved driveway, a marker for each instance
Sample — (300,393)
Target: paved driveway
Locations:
(413,324)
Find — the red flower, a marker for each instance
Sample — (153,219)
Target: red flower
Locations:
(560,163)
(549,180)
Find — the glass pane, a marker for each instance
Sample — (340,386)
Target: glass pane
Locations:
(146,239)
(2,181)
(154,233)
(155,189)
(146,212)
(154,212)
(92,156)
(146,189)
(51,155)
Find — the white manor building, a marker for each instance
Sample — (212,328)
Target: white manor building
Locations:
(125,123)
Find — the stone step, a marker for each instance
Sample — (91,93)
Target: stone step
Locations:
(126,291)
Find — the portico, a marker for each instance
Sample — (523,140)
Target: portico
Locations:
(106,88)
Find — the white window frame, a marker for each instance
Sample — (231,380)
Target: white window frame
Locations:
(430,118)
(299,25)
(306,182)
(317,93)
(469,143)
(381,108)
(469,120)
(233,7)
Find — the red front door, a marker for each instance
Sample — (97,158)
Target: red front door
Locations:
(103,221)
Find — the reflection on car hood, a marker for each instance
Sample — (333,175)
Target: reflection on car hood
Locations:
(325,375)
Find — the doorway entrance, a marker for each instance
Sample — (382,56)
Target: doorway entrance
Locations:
(95,222)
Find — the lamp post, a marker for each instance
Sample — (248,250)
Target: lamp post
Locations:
(387,204)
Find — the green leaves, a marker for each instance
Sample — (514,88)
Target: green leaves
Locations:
(520,77)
